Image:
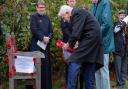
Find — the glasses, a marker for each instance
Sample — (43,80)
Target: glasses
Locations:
(41,7)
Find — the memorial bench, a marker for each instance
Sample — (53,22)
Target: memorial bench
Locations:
(30,78)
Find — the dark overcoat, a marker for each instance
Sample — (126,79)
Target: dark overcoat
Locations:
(86,30)
(119,39)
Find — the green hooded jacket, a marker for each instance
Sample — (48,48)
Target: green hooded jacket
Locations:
(103,13)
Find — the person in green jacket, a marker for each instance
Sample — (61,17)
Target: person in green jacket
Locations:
(102,10)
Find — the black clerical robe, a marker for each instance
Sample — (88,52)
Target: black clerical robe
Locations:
(41,26)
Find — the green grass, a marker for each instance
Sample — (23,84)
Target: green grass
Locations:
(59,85)
(113,85)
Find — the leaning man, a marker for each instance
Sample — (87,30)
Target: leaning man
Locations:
(89,53)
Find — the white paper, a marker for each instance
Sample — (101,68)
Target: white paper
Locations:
(41,44)
(24,64)
(126,19)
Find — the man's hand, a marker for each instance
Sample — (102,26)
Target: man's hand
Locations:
(66,46)
(46,39)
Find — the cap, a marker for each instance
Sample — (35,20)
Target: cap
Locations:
(121,12)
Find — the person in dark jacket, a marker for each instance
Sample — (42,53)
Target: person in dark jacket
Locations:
(89,54)
(41,29)
(120,52)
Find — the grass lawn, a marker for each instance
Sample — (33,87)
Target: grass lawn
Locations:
(113,85)
(60,84)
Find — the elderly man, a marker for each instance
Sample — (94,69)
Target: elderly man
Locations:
(66,31)
(120,51)
(89,54)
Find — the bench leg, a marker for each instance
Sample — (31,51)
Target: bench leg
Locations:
(11,83)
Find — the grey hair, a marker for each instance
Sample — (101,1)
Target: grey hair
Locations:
(64,9)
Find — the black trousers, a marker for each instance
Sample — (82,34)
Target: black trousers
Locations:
(121,69)
(46,80)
